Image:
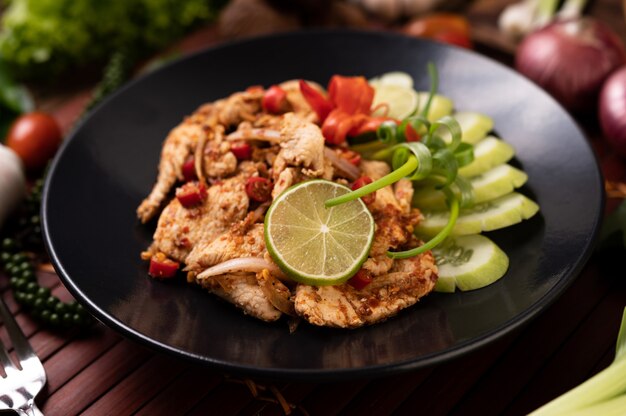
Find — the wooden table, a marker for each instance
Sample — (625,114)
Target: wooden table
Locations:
(101,373)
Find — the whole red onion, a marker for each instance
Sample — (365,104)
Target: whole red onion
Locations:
(612,110)
(571,59)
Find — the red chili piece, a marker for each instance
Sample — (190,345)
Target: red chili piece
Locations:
(274,100)
(361,279)
(361,182)
(411,134)
(161,267)
(191,194)
(189,169)
(241,150)
(259,189)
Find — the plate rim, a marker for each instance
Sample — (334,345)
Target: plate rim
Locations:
(427,360)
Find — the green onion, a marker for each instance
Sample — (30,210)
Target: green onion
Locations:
(395,176)
(431,158)
(434,86)
(432,243)
(602,394)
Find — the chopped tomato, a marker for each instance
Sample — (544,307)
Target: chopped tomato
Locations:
(346,108)
(241,150)
(274,100)
(162,267)
(189,169)
(361,182)
(370,126)
(320,104)
(361,279)
(191,194)
(352,95)
(259,189)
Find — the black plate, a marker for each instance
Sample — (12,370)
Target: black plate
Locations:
(109,165)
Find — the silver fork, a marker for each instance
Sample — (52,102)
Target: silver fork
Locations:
(21,383)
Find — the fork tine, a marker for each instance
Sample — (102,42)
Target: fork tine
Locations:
(21,346)
(5,360)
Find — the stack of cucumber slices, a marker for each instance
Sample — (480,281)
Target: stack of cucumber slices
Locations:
(467,260)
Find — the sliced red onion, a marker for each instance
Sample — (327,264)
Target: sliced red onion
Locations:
(242,264)
(268,135)
(348,169)
(571,59)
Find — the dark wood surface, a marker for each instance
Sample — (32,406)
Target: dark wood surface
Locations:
(101,373)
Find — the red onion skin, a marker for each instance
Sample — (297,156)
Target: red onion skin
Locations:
(612,111)
(571,59)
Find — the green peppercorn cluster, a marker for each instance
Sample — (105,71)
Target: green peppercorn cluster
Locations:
(20,267)
(37,299)
(116,73)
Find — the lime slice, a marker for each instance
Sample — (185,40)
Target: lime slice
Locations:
(398,78)
(313,244)
(402,101)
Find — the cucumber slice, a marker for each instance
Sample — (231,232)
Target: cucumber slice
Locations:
(397,78)
(488,153)
(440,106)
(492,184)
(491,215)
(474,126)
(469,262)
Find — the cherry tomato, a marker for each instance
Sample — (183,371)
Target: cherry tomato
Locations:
(259,189)
(361,182)
(191,194)
(35,137)
(241,150)
(274,100)
(361,279)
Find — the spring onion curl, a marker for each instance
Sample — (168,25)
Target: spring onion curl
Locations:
(431,159)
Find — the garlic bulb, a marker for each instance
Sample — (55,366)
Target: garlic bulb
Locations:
(12,182)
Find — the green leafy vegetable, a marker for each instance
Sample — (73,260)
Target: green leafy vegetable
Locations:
(602,394)
(14,100)
(43,38)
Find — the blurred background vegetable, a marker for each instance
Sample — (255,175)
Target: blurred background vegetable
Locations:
(444,27)
(14,99)
(35,138)
(571,59)
(12,182)
(564,52)
(44,38)
(603,394)
(612,111)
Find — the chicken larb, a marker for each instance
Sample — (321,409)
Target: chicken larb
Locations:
(234,142)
